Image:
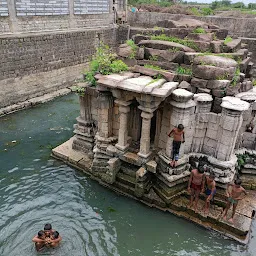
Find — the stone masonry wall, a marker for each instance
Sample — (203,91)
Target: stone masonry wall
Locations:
(33,65)
(235,26)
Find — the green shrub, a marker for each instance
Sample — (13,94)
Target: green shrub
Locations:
(199,31)
(152,67)
(236,77)
(228,39)
(153,58)
(184,42)
(118,66)
(207,11)
(195,11)
(254,82)
(134,48)
(104,62)
(184,71)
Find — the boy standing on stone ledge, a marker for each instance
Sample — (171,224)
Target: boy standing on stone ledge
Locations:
(178,138)
(234,193)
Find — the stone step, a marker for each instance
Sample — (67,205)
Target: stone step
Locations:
(240,227)
(128,171)
(126,179)
(124,188)
(168,194)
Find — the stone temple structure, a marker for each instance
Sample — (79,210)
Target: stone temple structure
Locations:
(121,134)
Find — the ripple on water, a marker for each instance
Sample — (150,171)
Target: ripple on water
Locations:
(53,195)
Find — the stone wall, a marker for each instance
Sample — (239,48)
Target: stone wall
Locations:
(235,26)
(36,64)
(38,15)
(245,28)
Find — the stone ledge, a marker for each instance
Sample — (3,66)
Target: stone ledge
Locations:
(32,102)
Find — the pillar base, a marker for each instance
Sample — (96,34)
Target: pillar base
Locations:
(144,156)
(122,148)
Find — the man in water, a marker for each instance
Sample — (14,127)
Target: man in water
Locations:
(210,191)
(196,185)
(234,193)
(49,238)
(39,240)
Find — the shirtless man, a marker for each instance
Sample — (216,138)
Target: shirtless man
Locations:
(39,240)
(234,193)
(178,138)
(210,191)
(196,185)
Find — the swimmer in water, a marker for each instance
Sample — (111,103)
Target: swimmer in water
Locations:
(39,240)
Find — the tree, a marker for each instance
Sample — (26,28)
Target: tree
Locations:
(238,5)
(226,2)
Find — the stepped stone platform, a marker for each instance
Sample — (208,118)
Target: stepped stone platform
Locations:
(176,202)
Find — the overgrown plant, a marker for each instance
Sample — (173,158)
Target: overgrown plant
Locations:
(184,42)
(152,67)
(184,71)
(227,40)
(104,62)
(134,48)
(199,31)
(236,77)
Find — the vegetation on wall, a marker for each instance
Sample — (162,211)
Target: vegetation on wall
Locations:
(134,48)
(104,62)
(173,39)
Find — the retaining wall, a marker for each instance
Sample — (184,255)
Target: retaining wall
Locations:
(35,64)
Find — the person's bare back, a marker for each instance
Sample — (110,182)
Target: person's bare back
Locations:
(197,178)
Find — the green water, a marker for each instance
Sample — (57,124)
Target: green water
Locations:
(36,189)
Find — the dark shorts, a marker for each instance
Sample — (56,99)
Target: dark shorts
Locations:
(175,150)
(209,191)
(232,200)
(196,187)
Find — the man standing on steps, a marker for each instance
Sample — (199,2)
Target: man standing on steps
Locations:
(196,185)
(234,193)
(210,191)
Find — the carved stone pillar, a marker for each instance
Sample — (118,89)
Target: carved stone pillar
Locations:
(182,109)
(230,124)
(85,127)
(145,134)
(124,109)
(105,112)
(203,108)
(148,105)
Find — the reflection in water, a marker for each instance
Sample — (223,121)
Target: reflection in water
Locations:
(35,189)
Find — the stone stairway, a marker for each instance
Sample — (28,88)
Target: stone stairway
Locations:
(239,230)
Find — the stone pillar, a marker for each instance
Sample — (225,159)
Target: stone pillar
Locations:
(203,108)
(12,16)
(204,102)
(146,115)
(182,109)
(105,112)
(229,126)
(85,127)
(72,23)
(124,109)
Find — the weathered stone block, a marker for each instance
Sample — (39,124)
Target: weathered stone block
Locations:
(212,72)
(151,166)
(218,84)
(200,83)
